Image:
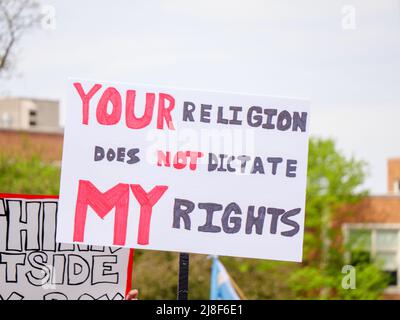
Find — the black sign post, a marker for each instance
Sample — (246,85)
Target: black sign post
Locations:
(183,281)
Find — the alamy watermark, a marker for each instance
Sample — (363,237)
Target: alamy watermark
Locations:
(349,21)
(48,20)
(49,273)
(349,278)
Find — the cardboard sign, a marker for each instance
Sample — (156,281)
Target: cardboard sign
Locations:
(34,267)
(182,170)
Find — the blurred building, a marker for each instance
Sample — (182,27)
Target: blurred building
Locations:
(32,114)
(373,228)
(30,127)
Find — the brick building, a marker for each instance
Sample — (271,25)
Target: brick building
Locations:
(30,127)
(374,229)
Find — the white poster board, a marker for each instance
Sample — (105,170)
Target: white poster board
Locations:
(34,267)
(184,170)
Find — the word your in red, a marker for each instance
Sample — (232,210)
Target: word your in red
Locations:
(111,95)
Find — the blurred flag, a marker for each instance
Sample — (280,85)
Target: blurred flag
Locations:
(222,286)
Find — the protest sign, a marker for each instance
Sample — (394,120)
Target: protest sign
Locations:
(34,267)
(184,170)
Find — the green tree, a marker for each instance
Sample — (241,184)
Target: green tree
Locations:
(333,182)
(28,175)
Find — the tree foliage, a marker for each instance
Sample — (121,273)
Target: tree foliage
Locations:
(333,181)
(28,175)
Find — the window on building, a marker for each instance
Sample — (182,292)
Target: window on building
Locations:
(32,123)
(32,113)
(386,252)
(396,187)
(379,245)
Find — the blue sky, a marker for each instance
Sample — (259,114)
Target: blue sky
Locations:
(286,48)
